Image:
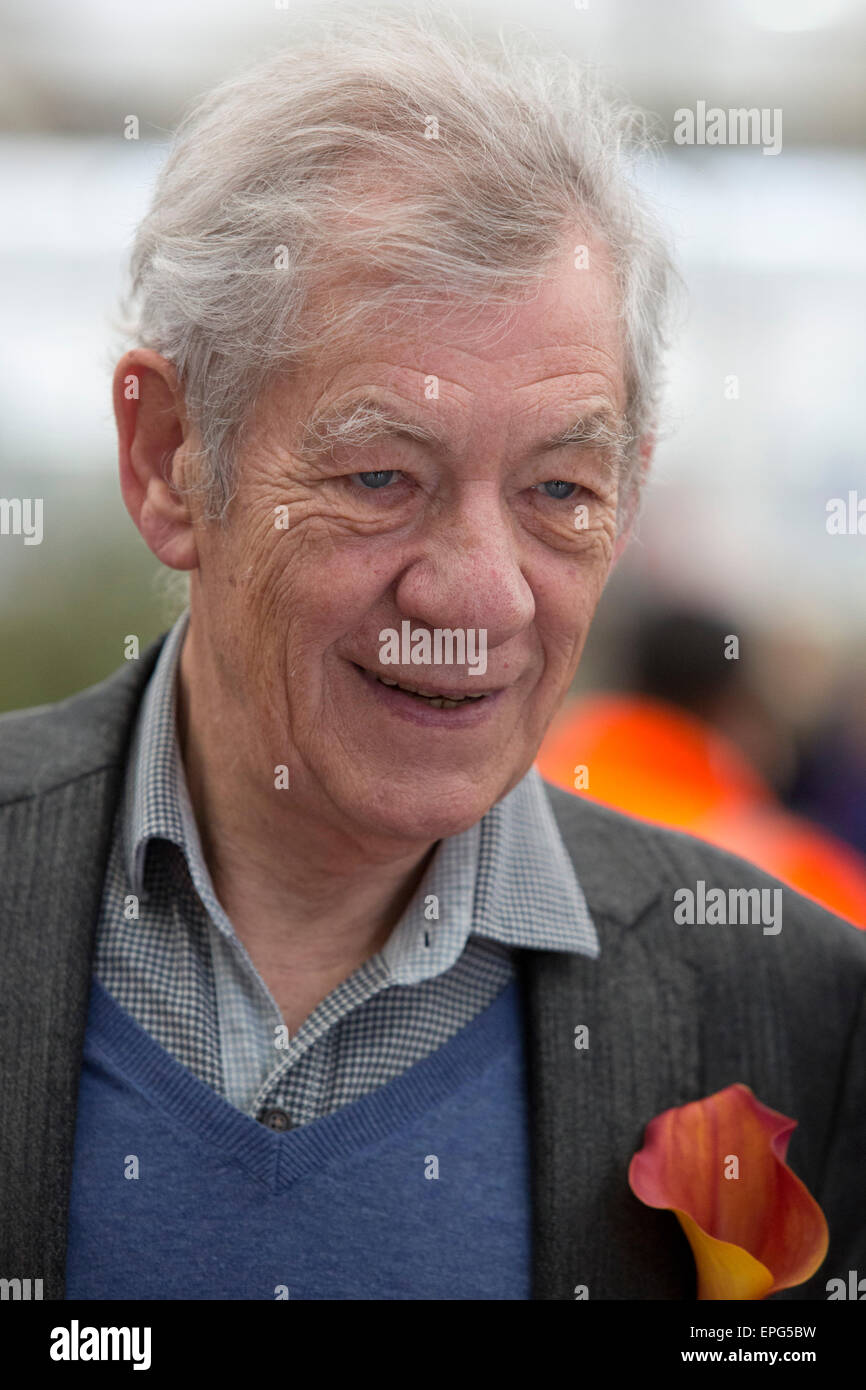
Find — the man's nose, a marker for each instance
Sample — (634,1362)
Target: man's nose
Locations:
(468,571)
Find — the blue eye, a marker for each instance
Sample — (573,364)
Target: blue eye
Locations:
(380,478)
(557,489)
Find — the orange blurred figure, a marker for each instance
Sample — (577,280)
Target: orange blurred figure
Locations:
(651,759)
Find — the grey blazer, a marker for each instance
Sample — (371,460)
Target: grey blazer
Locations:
(674,1013)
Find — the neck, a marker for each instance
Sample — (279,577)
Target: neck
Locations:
(309,898)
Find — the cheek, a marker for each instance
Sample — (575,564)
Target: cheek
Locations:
(268,565)
(327,596)
(303,600)
(566,599)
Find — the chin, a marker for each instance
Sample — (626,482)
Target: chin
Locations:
(427,813)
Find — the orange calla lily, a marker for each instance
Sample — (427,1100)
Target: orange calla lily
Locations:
(719,1165)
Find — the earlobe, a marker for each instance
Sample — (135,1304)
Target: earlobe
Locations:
(154,443)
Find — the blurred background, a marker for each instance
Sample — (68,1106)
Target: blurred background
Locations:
(763,406)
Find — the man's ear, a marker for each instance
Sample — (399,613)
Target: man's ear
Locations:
(645,453)
(154,443)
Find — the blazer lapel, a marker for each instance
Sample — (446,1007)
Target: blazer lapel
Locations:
(589,1107)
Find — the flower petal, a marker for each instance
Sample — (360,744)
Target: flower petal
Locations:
(724,1270)
(719,1163)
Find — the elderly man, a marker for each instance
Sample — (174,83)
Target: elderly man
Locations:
(311,987)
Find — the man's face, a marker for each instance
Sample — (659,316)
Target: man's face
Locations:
(460,528)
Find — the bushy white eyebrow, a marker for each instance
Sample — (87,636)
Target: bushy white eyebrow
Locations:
(599,431)
(363,420)
(605,434)
(357,422)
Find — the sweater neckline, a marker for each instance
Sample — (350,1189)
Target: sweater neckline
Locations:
(120,1044)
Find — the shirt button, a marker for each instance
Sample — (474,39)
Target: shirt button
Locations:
(275,1119)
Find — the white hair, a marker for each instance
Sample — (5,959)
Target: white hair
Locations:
(393,154)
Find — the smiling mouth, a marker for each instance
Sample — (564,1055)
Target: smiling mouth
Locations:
(428,697)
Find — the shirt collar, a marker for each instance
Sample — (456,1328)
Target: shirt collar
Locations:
(509,878)
(153,808)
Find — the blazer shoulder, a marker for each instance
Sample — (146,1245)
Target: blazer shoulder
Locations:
(625,864)
(47,746)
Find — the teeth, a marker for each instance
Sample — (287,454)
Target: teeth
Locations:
(437,701)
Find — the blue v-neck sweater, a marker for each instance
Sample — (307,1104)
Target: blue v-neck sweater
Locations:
(419,1190)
